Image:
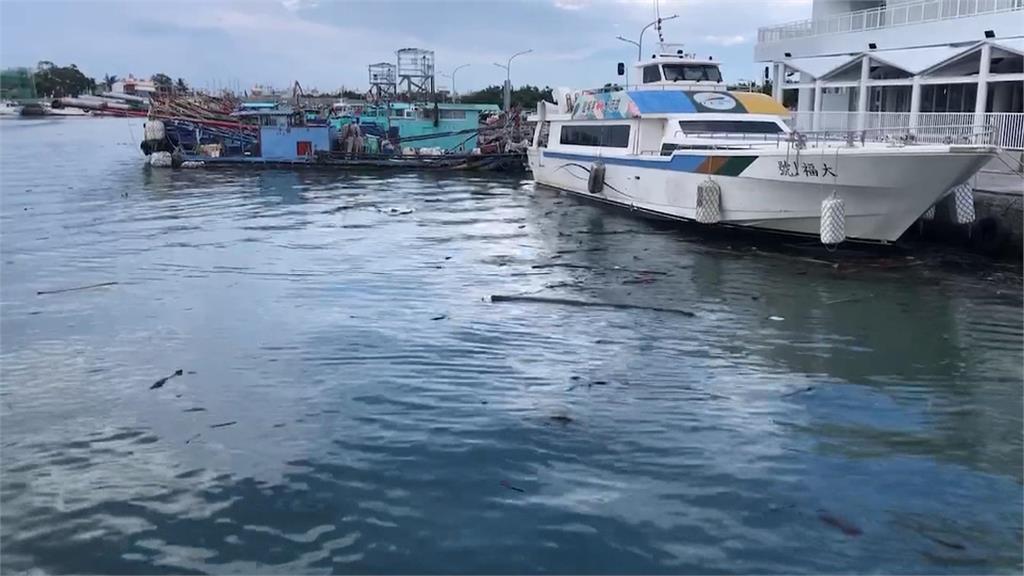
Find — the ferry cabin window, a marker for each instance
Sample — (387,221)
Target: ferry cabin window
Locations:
(651,74)
(729,127)
(453,114)
(608,136)
(692,72)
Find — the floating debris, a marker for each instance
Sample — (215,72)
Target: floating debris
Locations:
(160,383)
(776,318)
(90,286)
(946,543)
(567,302)
(196,409)
(562,419)
(795,392)
(851,299)
(393,211)
(511,487)
(189,441)
(585,267)
(441,317)
(844,525)
(223,424)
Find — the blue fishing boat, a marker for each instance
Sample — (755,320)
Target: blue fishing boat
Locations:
(448,126)
(282,136)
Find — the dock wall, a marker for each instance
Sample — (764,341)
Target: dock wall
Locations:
(998,228)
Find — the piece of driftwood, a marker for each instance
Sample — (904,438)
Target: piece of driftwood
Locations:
(568,302)
(61,290)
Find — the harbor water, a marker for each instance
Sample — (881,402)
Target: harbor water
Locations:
(303,372)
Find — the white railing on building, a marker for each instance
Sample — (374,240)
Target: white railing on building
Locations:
(902,14)
(1006,128)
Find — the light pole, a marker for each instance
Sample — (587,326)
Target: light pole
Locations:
(634,43)
(508,77)
(452,76)
(640,45)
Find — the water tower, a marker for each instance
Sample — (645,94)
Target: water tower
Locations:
(416,72)
(382,81)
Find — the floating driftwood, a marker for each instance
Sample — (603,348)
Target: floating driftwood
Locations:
(100,285)
(568,302)
(795,392)
(585,267)
(840,523)
(511,487)
(160,383)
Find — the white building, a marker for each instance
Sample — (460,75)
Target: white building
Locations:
(875,64)
(134,86)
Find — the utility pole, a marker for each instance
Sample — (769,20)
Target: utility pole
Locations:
(452,76)
(508,78)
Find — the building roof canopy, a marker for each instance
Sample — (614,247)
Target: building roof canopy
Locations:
(916,60)
(1015,45)
(819,66)
(931,60)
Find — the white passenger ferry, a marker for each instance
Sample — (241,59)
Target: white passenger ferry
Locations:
(679,145)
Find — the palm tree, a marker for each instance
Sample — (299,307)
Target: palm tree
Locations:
(110,80)
(181,86)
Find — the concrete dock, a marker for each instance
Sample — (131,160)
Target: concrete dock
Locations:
(998,228)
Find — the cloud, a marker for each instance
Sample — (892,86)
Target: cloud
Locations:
(571,4)
(295,5)
(725,40)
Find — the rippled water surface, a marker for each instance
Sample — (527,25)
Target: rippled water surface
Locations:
(379,414)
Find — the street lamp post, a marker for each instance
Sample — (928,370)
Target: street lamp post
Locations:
(640,45)
(508,77)
(452,76)
(634,43)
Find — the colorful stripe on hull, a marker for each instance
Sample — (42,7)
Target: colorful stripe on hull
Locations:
(699,164)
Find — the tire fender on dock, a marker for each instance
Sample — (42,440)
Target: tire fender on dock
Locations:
(595,185)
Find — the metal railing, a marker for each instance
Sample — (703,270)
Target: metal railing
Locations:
(1007,128)
(838,137)
(902,14)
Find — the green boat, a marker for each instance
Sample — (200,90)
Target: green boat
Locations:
(448,126)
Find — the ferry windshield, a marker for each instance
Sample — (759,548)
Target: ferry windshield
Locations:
(692,72)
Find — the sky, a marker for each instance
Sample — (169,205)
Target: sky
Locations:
(327,44)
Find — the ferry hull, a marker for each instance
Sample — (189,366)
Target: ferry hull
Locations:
(885,190)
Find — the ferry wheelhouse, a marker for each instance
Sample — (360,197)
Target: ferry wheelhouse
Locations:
(679,145)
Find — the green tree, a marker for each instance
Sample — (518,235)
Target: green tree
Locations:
(57,81)
(162,80)
(525,96)
(180,86)
(109,80)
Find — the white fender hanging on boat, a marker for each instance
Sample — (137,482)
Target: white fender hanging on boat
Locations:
(154,130)
(709,202)
(963,198)
(160,159)
(833,220)
(596,182)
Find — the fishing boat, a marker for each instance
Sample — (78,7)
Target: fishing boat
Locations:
(679,145)
(9,108)
(278,135)
(46,109)
(449,126)
(57,108)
